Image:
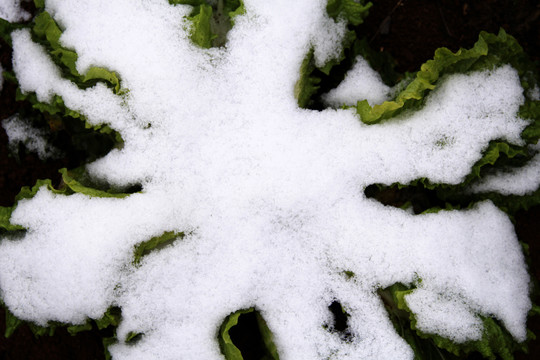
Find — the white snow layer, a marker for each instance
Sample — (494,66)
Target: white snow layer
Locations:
(11,11)
(21,131)
(270,195)
(534,93)
(360,83)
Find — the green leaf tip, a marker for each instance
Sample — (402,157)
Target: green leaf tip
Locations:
(12,322)
(5,215)
(75,329)
(211,20)
(132,337)
(111,318)
(155,243)
(40,4)
(99,73)
(201,32)
(307,84)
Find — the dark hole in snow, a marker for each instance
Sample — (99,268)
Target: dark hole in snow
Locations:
(132,189)
(340,325)
(415,196)
(247,337)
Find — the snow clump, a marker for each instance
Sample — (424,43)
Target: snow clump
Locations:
(12,11)
(21,131)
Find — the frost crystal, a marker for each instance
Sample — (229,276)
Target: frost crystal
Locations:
(270,196)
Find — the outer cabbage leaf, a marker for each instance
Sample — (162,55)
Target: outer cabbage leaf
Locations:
(487,51)
(57,107)
(47,31)
(496,342)
(73,182)
(499,154)
(310,75)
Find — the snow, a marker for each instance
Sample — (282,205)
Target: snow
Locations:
(360,83)
(269,195)
(327,40)
(11,11)
(448,316)
(21,131)
(534,93)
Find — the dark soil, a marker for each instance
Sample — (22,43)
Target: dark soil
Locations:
(409,30)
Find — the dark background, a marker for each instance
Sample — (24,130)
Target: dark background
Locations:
(409,30)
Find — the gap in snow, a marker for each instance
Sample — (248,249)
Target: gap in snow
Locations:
(339,324)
